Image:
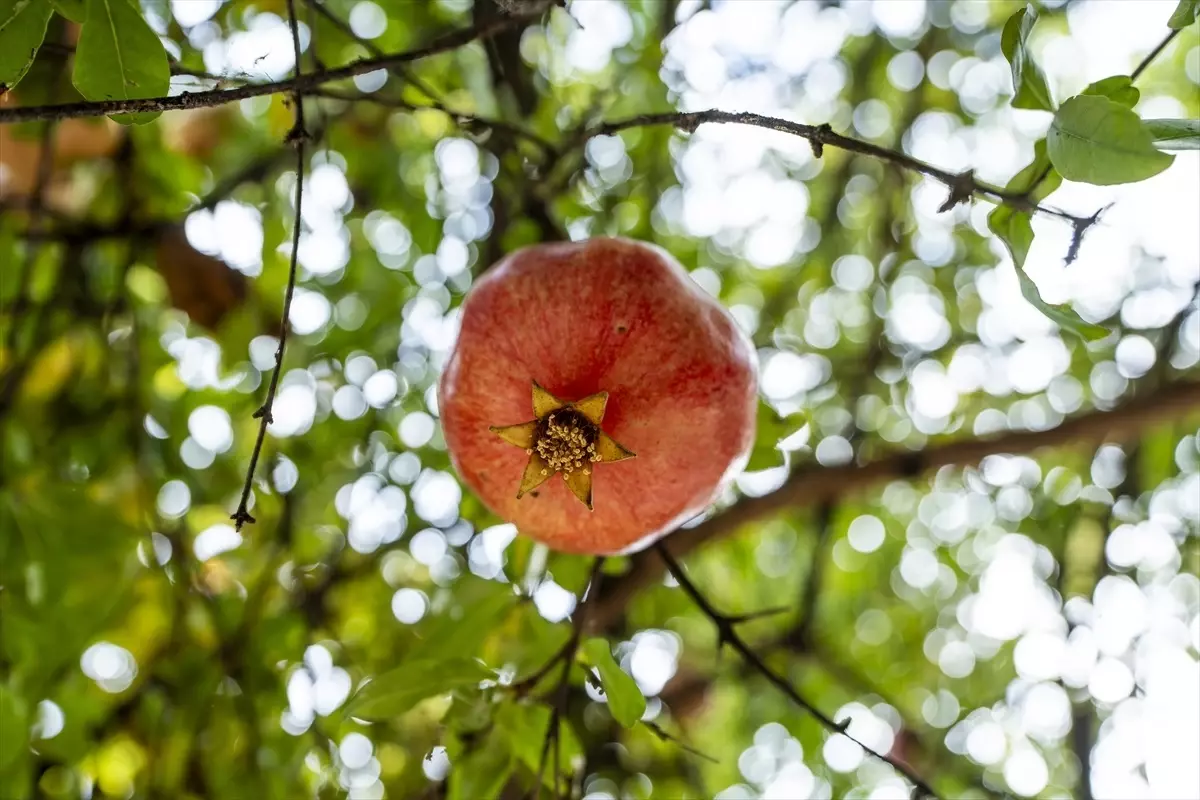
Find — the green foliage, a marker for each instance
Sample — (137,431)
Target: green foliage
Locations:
(1187,12)
(120,58)
(1097,140)
(1174,134)
(1118,88)
(22,29)
(526,725)
(74,10)
(483,771)
(1029,82)
(771,429)
(127,404)
(1015,228)
(625,700)
(398,690)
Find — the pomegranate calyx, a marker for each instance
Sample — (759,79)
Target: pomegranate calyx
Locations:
(564,438)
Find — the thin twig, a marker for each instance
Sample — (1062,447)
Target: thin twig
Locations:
(1133,76)
(810,485)
(727,634)
(561,691)
(1153,54)
(219,97)
(461,118)
(962,185)
(298,137)
(400,71)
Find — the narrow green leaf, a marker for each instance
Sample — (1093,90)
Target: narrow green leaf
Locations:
(74,10)
(1064,315)
(1015,229)
(625,699)
(1174,134)
(22,29)
(398,690)
(120,58)
(1118,88)
(1096,140)
(1013,226)
(1187,12)
(1029,82)
(483,772)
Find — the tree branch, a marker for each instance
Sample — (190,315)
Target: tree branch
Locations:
(301,83)
(727,634)
(962,185)
(811,485)
(298,136)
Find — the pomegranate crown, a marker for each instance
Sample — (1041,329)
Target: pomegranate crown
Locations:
(563,438)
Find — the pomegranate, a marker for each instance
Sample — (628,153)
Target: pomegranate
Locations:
(596,396)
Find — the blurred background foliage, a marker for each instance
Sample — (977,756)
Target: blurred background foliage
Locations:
(1011,622)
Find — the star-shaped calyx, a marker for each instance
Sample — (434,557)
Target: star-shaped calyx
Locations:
(563,438)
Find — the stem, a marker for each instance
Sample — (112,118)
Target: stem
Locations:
(727,634)
(299,137)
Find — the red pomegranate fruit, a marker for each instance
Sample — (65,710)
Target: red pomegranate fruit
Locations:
(596,396)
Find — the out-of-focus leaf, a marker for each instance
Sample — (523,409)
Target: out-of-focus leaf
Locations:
(770,430)
(1118,88)
(398,690)
(482,773)
(525,726)
(1029,82)
(625,699)
(1185,14)
(1099,141)
(74,10)
(1174,134)
(464,634)
(14,729)
(120,58)
(22,29)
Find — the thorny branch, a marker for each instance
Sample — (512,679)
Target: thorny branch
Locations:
(298,136)
(727,634)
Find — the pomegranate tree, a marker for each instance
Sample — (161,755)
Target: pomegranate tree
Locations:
(596,396)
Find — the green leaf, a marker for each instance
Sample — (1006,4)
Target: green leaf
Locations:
(525,727)
(1015,229)
(14,728)
(1174,134)
(770,430)
(398,690)
(1013,226)
(74,10)
(120,58)
(1029,82)
(22,29)
(1118,88)
(1187,12)
(483,772)
(485,604)
(1096,140)
(1064,315)
(625,699)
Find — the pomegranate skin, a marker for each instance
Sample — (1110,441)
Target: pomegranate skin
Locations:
(603,315)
